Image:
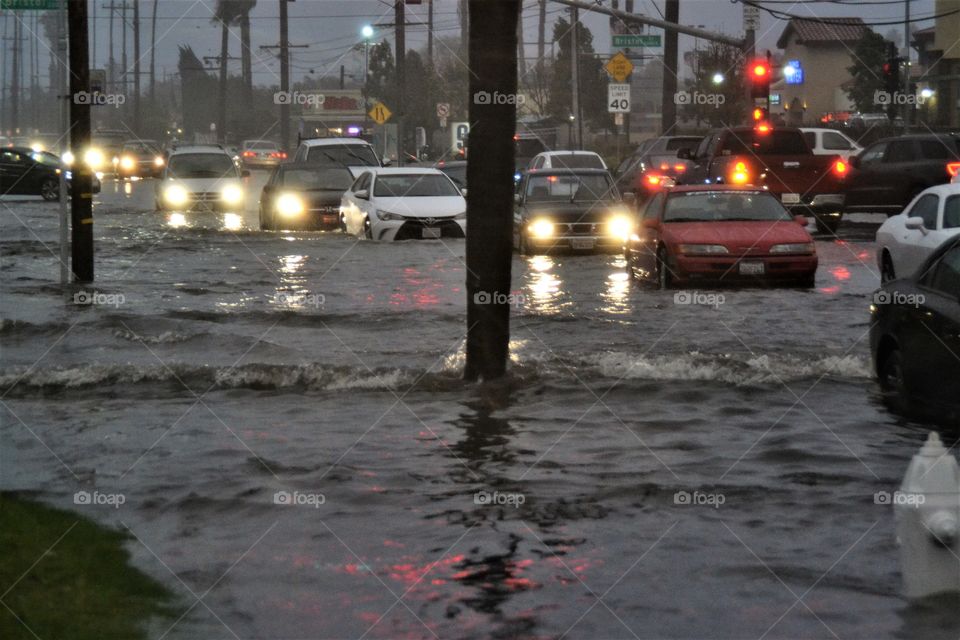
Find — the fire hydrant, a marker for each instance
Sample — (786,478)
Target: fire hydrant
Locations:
(927,510)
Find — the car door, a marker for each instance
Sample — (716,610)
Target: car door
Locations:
(353,216)
(13,173)
(935,347)
(835,142)
(917,244)
(862,182)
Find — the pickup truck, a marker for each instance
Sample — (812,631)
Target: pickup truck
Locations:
(777,158)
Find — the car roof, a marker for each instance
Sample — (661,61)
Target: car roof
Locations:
(922,136)
(571,152)
(286,166)
(945,189)
(403,170)
(566,171)
(199,148)
(323,142)
(692,188)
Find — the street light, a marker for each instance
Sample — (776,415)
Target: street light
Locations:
(366,32)
(718,78)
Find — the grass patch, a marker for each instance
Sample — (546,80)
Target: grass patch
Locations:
(81,588)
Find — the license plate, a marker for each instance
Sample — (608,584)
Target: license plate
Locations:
(751,268)
(790,198)
(431,232)
(582,243)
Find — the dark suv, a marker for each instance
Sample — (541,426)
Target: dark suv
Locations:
(886,176)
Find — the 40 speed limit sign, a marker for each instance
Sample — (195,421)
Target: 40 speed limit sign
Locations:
(618,98)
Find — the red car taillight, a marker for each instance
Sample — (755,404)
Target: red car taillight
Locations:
(278,154)
(840,168)
(953,168)
(248,154)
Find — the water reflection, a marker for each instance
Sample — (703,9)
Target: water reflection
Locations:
(543,284)
(616,293)
(232,221)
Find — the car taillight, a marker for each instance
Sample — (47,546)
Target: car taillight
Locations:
(953,168)
(764,128)
(664,166)
(840,168)
(653,180)
(248,154)
(679,168)
(740,174)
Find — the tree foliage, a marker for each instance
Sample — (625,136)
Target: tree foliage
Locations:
(868,57)
(593,79)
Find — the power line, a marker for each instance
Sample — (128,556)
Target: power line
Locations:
(784,15)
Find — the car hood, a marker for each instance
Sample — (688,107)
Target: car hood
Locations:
(201,184)
(752,236)
(423,207)
(573,211)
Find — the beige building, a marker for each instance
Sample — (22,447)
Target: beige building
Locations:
(939,68)
(823,51)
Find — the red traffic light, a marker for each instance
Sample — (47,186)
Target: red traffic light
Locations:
(760,70)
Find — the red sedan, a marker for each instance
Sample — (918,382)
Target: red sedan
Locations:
(720,234)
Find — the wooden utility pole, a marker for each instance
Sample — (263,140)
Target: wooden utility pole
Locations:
(222,91)
(136,67)
(541,31)
(112,59)
(493,68)
(668,111)
(401,42)
(430,31)
(153,51)
(81,212)
(284,78)
(15,81)
(575,74)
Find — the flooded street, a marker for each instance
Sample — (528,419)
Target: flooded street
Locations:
(279,420)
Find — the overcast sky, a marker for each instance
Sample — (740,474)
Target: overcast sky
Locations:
(331,28)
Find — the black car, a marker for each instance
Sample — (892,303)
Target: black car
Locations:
(571,209)
(139,158)
(26,172)
(886,176)
(303,195)
(915,336)
(653,157)
(456,170)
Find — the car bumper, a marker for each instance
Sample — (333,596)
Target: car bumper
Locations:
(260,162)
(688,269)
(390,230)
(576,243)
(824,203)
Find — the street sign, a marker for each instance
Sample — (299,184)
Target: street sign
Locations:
(443,109)
(619,66)
(751,17)
(30,5)
(631,40)
(380,113)
(618,98)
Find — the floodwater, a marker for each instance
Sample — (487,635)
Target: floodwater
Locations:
(278,420)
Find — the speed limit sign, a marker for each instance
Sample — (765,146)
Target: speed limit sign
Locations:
(618,98)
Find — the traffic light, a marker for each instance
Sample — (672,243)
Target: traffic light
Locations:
(758,73)
(891,70)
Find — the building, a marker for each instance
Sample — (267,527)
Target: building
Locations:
(938,75)
(818,55)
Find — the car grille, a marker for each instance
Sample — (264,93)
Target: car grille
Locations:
(413,229)
(205,196)
(578,228)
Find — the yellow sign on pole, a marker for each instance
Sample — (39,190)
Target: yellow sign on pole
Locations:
(619,66)
(380,113)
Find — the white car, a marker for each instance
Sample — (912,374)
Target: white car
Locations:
(830,142)
(404,204)
(905,240)
(201,178)
(566,160)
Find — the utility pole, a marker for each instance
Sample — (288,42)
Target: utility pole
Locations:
(401,42)
(112,61)
(430,31)
(575,73)
(541,31)
(906,65)
(222,92)
(342,74)
(520,48)
(153,51)
(136,67)
(82,202)
(123,51)
(284,78)
(4,109)
(668,105)
(63,101)
(15,77)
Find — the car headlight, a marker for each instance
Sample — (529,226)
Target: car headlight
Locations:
(232,194)
(67,158)
(620,226)
(702,249)
(386,215)
(460,216)
(126,162)
(541,228)
(805,248)
(94,158)
(158,161)
(175,195)
(290,205)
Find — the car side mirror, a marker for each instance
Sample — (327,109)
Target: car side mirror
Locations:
(684,153)
(854,161)
(800,220)
(245,173)
(387,162)
(463,192)
(915,223)
(363,194)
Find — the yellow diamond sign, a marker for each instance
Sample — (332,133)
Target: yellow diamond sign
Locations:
(380,113)
(619,66)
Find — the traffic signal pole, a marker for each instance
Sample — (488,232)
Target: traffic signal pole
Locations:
(81,211)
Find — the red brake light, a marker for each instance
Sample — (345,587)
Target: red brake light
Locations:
(653,179)
(740,174)
(679,168)
(953,168)
(840,168)
(664,166)
(764,127)
(248,154)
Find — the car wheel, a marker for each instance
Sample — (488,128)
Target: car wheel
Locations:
(827,224)
(664,277)
(890,373)
(886,268)
(367,229)
(808,282)
(264,224)
(50,189)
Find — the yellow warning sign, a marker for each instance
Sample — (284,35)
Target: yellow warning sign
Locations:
(380,113)
(619,66)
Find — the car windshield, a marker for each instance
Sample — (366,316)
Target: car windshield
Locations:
(675,144)
(576,161)
(139,148)
(317,179)
(264,145)
(201,165)
(413,185)
(571,187)
(778,142)
(353,154)
(457,174)
(709,206)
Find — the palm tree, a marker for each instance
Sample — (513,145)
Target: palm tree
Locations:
(244,9)
(225,13)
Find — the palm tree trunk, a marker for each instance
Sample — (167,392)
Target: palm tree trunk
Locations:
(222,94)
(245,61)
(493,68)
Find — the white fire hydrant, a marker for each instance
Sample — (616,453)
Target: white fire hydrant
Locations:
(927,510)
